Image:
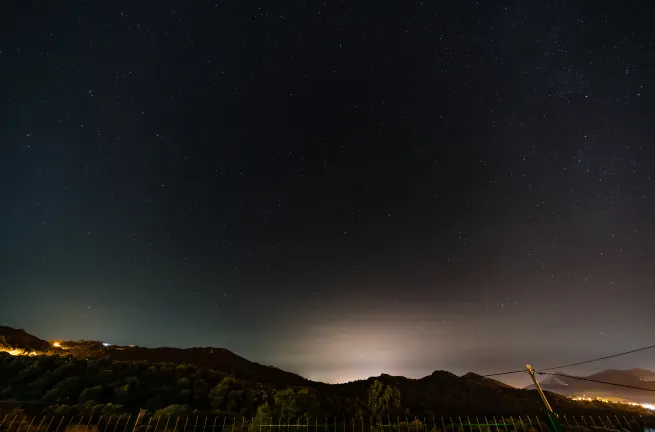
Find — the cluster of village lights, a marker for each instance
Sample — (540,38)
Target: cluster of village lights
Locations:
(614,401)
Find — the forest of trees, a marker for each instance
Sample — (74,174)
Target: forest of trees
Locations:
(71,386)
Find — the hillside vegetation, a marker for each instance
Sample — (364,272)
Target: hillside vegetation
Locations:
(85,378)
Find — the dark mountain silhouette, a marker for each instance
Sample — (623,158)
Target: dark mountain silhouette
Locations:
(212,358)
(20,339)
(225,361)
(566,384)
(645,375)
(439,392)
(631,375)
(219,359)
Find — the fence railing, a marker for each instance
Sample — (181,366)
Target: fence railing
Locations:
(150,423)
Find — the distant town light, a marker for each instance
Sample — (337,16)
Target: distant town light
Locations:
(615,401)
(56,344)
(106,344)
(18,352)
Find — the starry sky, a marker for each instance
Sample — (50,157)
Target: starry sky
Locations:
(339,189)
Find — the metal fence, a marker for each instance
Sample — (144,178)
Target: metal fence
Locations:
(149,423)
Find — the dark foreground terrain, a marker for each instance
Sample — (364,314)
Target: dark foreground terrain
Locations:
(88,379)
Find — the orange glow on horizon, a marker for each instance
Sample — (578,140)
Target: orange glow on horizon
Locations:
(614,401)
(18,352)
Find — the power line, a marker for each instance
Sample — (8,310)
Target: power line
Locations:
(475,376)
(456,378)
(598,359)
(443,381)
(498,374)
(596,381)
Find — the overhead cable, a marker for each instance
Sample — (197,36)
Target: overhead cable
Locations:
(598,359)
(596,381)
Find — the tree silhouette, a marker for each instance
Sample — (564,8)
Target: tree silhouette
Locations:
(383,400)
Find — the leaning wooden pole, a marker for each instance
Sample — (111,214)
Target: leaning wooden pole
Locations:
(552,417)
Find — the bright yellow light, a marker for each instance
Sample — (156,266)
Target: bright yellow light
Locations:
(18,352)
(614,401)
(56,344)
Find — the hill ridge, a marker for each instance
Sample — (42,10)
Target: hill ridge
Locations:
(66,372)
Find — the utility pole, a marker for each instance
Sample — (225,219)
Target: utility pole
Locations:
(552,417)
(536,384)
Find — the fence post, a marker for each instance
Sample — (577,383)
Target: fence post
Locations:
(522,424)
(40,423)
(554,423)
(626,422)
(128,422)
(619,422)
(21,423)
(29,428)
(511,418)
(610,422)
(148,424)
(88,424)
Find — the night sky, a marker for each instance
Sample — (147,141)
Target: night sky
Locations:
(338,189)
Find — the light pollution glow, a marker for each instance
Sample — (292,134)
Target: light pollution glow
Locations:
(614,401)
(373,347)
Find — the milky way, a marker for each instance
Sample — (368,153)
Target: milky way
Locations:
(337,189)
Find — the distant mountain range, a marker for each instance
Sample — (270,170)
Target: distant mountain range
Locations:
(566,384)
(20,339)
(216,358)
(440,392)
